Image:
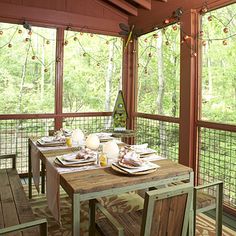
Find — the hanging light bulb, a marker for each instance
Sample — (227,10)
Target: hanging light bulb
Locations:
(209,18)
(155,36)
(225,42)
(174,27)
(204,43)
(186,37)
(226,30)
(167,21)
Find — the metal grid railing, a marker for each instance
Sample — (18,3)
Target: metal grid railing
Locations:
(14,134)
(217,161)
(160,135)
(89,124)
(14,139)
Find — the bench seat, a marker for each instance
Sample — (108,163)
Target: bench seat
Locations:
(15,211)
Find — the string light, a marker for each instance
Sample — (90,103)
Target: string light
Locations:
(29,32)
(225,28)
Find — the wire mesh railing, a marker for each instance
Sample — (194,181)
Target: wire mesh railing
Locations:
(14,134)
(217,161)
(160,135)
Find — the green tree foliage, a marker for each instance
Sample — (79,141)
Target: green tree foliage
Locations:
(218,65)
(86,65)
(27,62)
(148,73)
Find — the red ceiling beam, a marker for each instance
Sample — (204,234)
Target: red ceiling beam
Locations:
(144,3)
(125,6)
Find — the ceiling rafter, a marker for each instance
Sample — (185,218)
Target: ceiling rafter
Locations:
(144,3)
(125,6)
(131,7)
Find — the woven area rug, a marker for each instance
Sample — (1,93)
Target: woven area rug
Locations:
(125,202)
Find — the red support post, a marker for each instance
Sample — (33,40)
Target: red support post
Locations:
(59,78)
(188,89)
(130,80)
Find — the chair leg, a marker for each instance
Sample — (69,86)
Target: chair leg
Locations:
(194,210)
(44,229)
(219,209)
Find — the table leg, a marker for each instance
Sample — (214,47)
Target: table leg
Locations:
(29,170)
(76,214)
(43,177)
(92,208)
(192,217)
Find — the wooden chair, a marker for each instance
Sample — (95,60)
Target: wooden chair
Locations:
(203,202)
(166,212)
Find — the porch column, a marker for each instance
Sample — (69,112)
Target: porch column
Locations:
(59,79)
(188,88)
(129,80)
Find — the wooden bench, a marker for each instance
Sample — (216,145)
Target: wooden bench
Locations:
(16,215)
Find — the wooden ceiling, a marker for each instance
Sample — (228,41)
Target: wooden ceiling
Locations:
(131,7)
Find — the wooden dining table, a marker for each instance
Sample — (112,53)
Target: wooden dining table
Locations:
(101,182)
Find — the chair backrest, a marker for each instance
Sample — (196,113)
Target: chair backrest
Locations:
(167,211)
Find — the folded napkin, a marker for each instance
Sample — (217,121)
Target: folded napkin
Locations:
(132,158)
(86,153)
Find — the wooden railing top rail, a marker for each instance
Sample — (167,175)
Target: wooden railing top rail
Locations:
(156,117)
(51,115)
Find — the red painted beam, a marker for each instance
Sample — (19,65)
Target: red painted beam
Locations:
(43,17)
(125,6)
(144,3)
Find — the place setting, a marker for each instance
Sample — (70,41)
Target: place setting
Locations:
(130,163)
(57,139)
(83,157)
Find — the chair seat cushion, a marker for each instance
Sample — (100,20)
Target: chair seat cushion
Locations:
(205,200)
(131,221)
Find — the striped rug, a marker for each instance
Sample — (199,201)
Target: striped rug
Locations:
(125,202)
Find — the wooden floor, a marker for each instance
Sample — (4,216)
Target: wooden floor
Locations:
(228,220)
